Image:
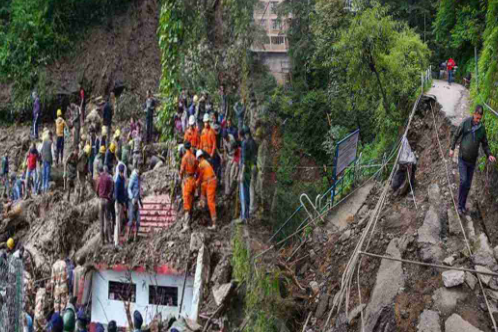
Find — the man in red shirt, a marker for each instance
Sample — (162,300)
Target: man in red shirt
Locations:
(32,176)
(105,189)
(450,65)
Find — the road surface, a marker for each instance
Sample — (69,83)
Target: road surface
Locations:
(453,98)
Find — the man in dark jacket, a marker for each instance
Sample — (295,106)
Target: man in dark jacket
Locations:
(107,118)
(36,115)
(472,133)
(105,189)
(248,162)
(150,106)
(5,173)
(120,195)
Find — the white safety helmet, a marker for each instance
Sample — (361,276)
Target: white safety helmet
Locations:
(191,120)
(199,153)
(181,147)
(206,118)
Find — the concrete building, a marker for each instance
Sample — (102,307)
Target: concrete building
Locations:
(273,50)
(157,291)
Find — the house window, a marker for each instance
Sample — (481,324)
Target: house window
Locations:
(166,296)
(120,291)
(262,23)
(276,24)
(278,40)
(273,7)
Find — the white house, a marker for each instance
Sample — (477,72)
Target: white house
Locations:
(150,293)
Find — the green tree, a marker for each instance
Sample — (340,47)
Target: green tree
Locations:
(377,62)
(458,30)
(488,67)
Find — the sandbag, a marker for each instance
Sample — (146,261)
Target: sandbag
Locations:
(407,156)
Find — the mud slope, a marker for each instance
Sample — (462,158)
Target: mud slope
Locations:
(125,50)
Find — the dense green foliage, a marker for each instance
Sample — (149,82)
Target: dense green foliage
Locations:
(33,33)
(458,29)
(486,92)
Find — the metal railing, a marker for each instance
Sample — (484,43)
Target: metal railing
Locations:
(351,178)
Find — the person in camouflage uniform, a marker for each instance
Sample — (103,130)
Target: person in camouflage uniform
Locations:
(29,289)
(82,170)
(70,171)
(40,302)
(59,284)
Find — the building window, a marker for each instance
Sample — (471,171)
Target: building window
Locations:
(276,24)
(277,40)
(273,7)
(166,296)
(262,23)
(120,291)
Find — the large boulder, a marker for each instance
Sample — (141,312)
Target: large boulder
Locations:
(429,322)
(390,279)
(428,237)
(453,224)
(446,299)
(223,271)
(483,254)
(457,324)
(453,278)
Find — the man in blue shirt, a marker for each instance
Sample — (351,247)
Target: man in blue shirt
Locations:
(134,195)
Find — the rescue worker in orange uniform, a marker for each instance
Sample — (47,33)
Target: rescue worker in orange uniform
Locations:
(208,137)
(192,133)
(188,171)
(206,181)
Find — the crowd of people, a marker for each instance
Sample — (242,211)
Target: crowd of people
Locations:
(216,157)
(215,154)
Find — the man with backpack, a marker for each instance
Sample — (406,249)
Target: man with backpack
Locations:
(450,65)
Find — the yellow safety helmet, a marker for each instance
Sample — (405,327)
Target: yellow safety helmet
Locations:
(88,149)
(196,99)
(10,243)
(59,112)
(112,147)
(117,133)
(104,130)
(102,149)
